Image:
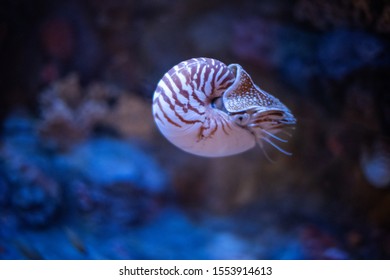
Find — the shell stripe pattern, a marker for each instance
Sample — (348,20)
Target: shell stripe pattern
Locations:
(210,109)
(184,94)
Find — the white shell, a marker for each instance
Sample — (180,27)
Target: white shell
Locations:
(186,110)
(183,111)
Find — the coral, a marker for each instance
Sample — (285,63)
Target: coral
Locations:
(114,206)
(113,182)
(35,196)
(106,161)
(67,112)
(131,117)
(75,112)
(34,205)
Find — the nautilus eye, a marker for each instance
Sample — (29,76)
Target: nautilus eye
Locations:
(210,109)
(241,119)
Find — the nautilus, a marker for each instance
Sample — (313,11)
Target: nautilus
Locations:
(211,109)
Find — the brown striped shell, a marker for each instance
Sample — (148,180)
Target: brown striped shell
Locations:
(210,109)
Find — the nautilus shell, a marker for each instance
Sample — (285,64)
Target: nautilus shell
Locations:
(210,109)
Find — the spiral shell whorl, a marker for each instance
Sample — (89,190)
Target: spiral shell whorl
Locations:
(182,108)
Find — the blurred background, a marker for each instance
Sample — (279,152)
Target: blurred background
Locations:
(85,174)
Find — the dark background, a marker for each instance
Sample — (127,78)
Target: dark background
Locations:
(85,174)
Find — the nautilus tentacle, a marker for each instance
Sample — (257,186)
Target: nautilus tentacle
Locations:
(210,109)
